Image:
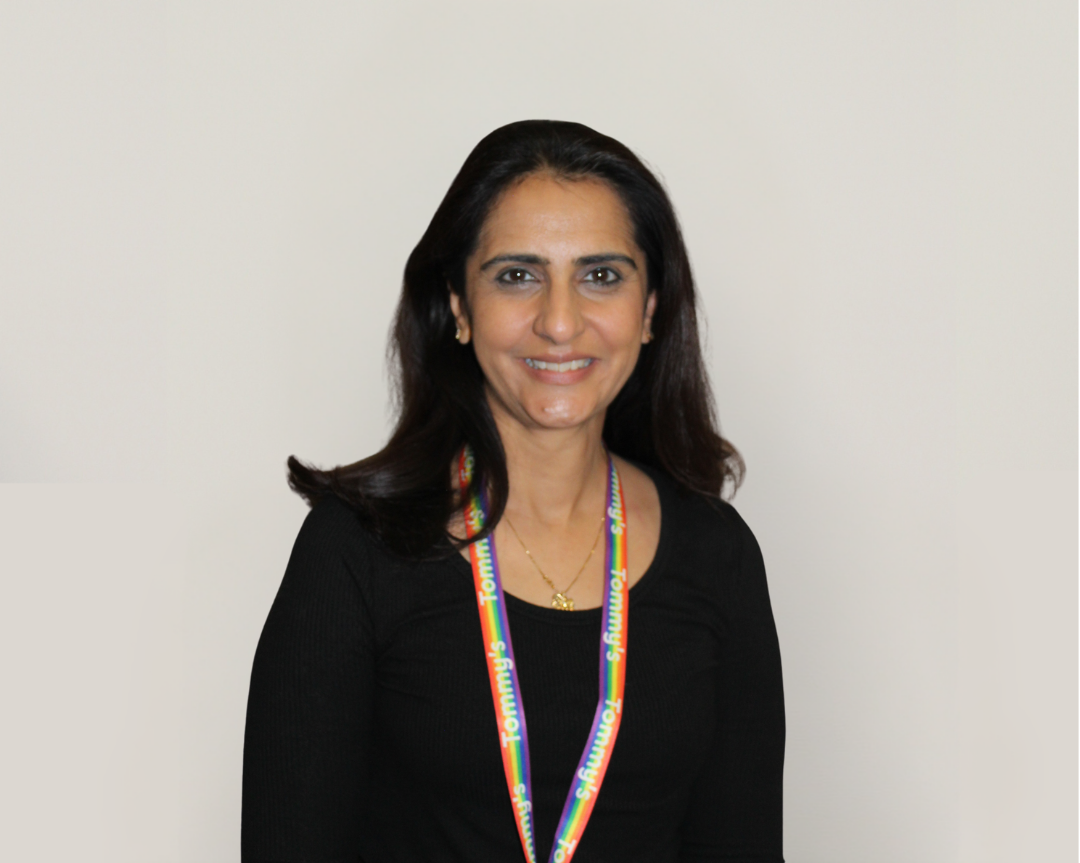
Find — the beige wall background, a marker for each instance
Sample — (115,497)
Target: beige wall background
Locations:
(206,209)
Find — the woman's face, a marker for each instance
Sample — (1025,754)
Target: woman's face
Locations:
(558,305)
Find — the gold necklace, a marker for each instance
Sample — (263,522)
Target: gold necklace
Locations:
(559,599)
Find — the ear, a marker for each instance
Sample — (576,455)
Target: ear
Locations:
(646,325)
(460,318)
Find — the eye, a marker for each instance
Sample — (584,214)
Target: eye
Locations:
(603,276)
(515,276)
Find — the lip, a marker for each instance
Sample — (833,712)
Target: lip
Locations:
(548,376)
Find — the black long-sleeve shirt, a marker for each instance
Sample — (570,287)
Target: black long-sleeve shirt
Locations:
(371,734)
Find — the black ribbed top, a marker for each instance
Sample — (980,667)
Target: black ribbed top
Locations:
(371,734)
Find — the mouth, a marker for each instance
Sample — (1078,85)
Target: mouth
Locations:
(571,366)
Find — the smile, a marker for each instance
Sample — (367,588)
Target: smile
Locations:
(571,366)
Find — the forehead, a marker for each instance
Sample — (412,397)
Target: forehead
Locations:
(545,212)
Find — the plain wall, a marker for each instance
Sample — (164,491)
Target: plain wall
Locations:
(205,209)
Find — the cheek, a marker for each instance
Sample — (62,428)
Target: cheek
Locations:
(498,328)
(621,327)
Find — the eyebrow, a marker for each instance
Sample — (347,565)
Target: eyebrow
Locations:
(606,257)
(514,259)
(585,261)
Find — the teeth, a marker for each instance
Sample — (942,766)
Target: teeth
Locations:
(571,366)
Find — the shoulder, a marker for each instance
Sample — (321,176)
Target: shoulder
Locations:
(333,545)
(323,601)
(332,522)
(709,535)
(691,514)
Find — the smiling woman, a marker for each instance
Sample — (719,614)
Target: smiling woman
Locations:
(551,392)
(558,328)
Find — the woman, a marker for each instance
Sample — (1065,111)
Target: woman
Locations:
(545,517)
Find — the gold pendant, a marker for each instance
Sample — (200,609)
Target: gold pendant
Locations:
(562,602)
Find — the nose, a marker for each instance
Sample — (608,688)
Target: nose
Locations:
(559,318)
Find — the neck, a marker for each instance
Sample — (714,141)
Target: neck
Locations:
(556,475)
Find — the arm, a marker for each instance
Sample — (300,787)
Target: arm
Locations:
(306,744)
(736,809)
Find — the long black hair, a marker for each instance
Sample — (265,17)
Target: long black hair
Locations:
(663,417)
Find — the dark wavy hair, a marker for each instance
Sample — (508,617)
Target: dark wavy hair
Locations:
(663,417)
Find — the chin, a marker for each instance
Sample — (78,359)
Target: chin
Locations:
(559,414)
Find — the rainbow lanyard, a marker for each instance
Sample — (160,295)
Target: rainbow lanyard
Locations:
(502,671)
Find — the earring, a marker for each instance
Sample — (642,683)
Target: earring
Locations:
(457,333)
(648,337)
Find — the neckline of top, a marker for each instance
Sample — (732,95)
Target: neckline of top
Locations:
(588,616)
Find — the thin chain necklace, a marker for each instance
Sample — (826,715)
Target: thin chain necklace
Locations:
(559,599)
